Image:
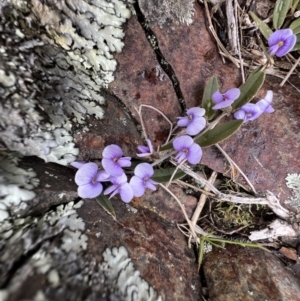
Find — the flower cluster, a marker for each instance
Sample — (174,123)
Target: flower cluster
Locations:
(89,177)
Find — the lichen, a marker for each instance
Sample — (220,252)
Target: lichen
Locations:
(293,182)
(164,11)
(119,270)
(50,81)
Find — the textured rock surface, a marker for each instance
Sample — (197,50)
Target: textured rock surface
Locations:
(246,274)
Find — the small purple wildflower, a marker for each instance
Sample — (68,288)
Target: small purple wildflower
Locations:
(248,112)
(113,161)
(225,100)
(145,150)
(141,179)
(265,103)
(120,186)
(194,122)
(187,149)
(281,42)
(88,179)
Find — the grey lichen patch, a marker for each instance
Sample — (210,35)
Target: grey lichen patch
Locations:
(128,284)
(293,182)
(48,82)
(16,185)
(164,11)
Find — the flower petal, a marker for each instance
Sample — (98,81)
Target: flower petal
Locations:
(217,97)
(126,193)
(195,111)
(144,170)
(86,173)
(102,175)
(195,154)
(77,164)
(151,184)
(150,145)
(112,167)
(90,191)
(183,121)
(288,45)
(223,104)
(278,36)
(110,189)
(112,151)
(232,94)
(182,142)
(180,156)
(269,110)
(196,126)
(137,185)
(273,49)
(124,161)
(269,97)
(239,114)
(143,149)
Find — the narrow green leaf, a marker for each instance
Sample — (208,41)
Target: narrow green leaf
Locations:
(106,204)
(250,88)
(280,11)
(295,26)
(297,45)
(210,88)
(164,175)
(166,147)
(294,6)
(219,133)
(262,26)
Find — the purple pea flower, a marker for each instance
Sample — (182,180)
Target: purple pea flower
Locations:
(187,149)
(225,100)
(194,122)
(248,112)
(145,150)
(281,42)
(120,186)
(265,103)
(113,161)
(88,179)
(141,179)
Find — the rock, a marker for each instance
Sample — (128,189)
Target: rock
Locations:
(237,273)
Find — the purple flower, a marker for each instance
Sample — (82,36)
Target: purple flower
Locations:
(187,149)
(88,180)
(248,112)
(194,122)
(120,186)
(145,150)
(265,103)
(281,42)
(113,161)
(141,179)
(225,100)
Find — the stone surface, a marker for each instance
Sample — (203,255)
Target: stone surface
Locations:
(246,274)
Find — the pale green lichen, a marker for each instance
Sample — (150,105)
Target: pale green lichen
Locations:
(165,11)
(293,182)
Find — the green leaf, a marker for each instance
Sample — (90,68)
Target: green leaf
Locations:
(262,26)
(166,147)
(164,175)
(295,26)
(280,11)
(210,88)
(294,6)
(297,45)
(250,88)
(219,133)
(106,204)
